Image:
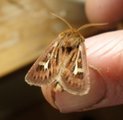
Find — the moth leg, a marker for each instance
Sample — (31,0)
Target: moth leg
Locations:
(58,87)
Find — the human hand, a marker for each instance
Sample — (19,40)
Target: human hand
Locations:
(105,53)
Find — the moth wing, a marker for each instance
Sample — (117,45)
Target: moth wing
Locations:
(74,76)
(45,67)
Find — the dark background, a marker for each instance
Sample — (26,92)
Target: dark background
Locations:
(19,101)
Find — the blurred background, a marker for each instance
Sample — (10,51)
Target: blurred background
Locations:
(26,28)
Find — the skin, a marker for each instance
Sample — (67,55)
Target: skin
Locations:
(105,54)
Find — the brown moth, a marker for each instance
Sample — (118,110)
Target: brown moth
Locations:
(64,63)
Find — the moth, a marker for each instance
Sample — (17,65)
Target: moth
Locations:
(64,63)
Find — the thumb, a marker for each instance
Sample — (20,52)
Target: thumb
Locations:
(105,56)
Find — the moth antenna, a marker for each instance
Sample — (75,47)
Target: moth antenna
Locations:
(62,19)
(91,25)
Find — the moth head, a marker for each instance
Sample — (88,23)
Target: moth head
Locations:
(70,38)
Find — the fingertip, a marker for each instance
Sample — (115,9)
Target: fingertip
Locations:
(104,11)
(104,55)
